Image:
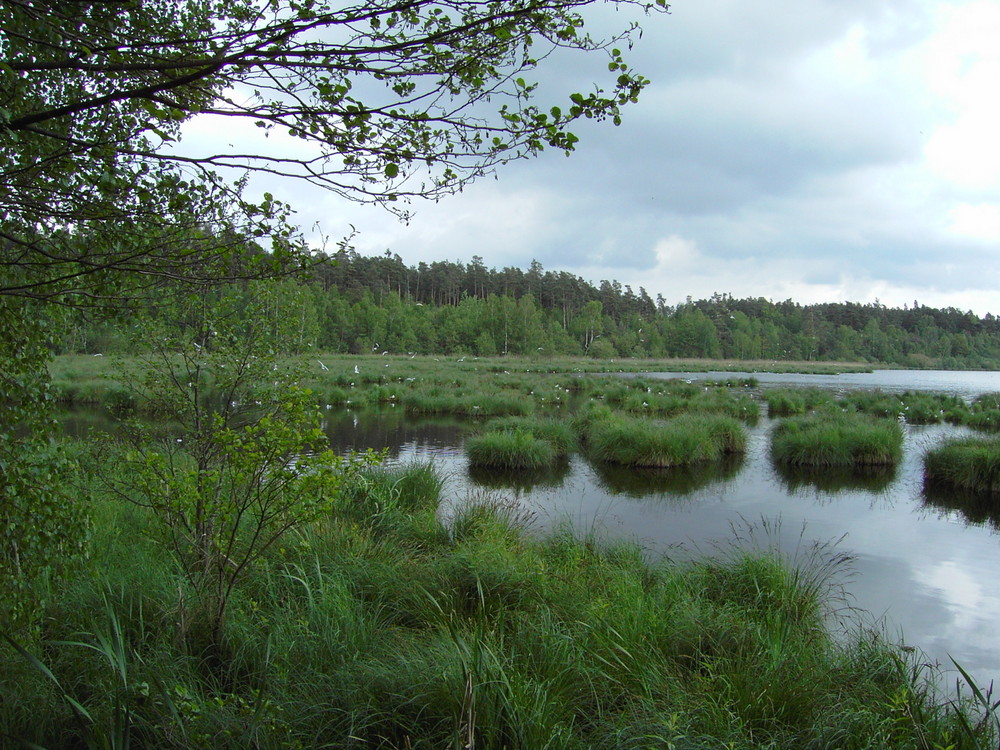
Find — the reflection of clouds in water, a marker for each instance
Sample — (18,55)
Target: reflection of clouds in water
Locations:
(959,587)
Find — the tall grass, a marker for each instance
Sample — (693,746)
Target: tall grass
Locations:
(836,439)
(474,405)
(984,413)
(515,443)
(683,440)
(971,464)
(787,402)
(384,626)
(556,432)
(916,407)
(510,449)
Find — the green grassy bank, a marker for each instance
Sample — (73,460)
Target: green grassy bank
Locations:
(380,626)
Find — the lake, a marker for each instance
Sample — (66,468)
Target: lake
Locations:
(926,569)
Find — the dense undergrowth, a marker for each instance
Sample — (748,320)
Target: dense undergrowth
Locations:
(384,626)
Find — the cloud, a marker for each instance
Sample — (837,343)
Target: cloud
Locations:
(810,149)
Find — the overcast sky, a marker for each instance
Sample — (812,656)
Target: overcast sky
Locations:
(819,150)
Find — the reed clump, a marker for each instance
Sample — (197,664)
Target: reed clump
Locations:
(478,405)
(558,432)
(681,441)
(788,402)
(970,464)
(984,413)
(837,439)
(510,449)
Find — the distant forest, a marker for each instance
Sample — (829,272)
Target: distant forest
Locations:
(361,304)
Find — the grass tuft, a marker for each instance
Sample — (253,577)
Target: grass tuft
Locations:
(971,464)
(837,439)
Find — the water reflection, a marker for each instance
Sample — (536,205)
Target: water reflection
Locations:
(393,430)
(520,480)
(977,508)
(835,479)
(642,482)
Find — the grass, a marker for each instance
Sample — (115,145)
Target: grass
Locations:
(510,449)
(915,407)
(984,413)
(836,439)
(787,402)
(966,464)
(518,443)
(681,441)
(383,626)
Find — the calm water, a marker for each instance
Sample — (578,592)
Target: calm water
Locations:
(927,570)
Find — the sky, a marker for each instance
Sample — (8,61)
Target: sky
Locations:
(814,150)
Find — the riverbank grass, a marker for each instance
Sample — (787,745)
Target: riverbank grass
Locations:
(381,626)
(837,439)
(971,464)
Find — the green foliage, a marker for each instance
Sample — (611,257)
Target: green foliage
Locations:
(91,95)
(247,463)
(971,464)
(510,449)
(686,439)
(381,627)
(557,432)
(43,522)
(786,402)
(837,439)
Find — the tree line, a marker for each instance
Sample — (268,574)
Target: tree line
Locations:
(362,304)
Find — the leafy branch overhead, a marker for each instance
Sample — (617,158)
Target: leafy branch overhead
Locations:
(387,101)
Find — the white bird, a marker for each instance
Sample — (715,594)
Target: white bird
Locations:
(356,370)
(323,367)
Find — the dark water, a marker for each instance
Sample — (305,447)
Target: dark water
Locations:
(925,568)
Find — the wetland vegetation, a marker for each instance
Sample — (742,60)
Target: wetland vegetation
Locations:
(835,438)
(969,464)
(381,621)
(206,571)
(378,625)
